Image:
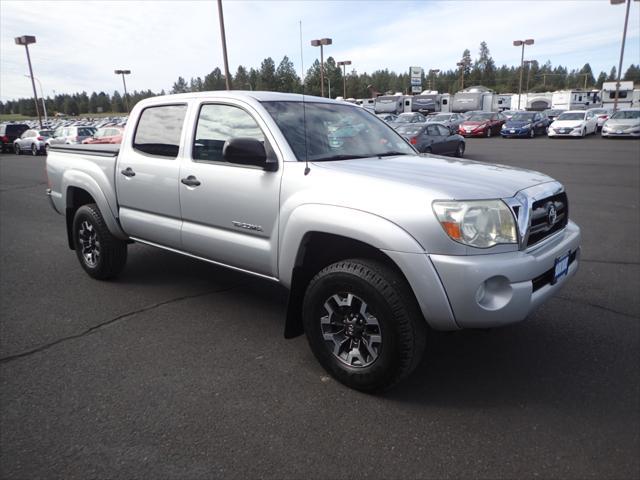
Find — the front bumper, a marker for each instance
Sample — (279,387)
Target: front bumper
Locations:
(515,132)
(577,132)
(473,133)
(499,289)
(620,133)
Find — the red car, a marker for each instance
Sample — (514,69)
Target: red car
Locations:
(482,124)
(106,135)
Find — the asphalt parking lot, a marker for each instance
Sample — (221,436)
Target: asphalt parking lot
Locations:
(179,369)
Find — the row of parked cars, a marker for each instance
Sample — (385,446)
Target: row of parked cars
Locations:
(508,124)
(22,138)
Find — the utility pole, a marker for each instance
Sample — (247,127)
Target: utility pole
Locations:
(517,43)
(124,83)
(320,43)
(26,40)
(224,45)
(624,37)
(344,76)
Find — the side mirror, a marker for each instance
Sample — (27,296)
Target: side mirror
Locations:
(247,151)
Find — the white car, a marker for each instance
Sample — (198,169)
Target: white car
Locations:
(602,115)
(574,123)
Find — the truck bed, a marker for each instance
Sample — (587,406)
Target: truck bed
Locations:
(103,150)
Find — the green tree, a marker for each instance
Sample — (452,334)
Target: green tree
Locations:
(613,75)
(286,77)
(241,79)
(117,104)
(180,86)
(214,81)
(267,79)
(633,73)
(588,73)
(601,79)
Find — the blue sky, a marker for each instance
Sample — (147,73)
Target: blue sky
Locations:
(79,44)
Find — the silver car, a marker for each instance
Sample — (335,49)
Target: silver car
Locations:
(33,141)
(70,136)
(449,120)
(623,123)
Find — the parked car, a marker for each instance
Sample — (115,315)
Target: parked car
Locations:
(482,124)
(552,113)
(433,138)
(409,117)
(573,123)
(387,117)
(70,135)
(106,135)
(447,119)
(623,123)
(602,115)
(33,141)
(525,124)
(374,242)
(9,132)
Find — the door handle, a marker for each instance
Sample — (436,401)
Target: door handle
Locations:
(191,181)
(128,172)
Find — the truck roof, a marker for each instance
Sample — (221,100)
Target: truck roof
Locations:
(241,94)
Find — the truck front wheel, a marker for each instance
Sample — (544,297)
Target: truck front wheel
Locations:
(363,324)
(102,255)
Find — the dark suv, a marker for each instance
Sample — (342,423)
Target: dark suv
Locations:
(9,132)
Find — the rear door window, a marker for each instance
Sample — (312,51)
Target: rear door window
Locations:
(159,129)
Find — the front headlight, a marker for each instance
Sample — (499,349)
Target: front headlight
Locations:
(477,223)
(527,126)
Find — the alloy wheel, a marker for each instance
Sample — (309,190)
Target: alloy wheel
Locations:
(89,244)
(350,330)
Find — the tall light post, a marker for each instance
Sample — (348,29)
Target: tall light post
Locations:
(123,73)
(624,37)
(224,45)
(320,43)
(461,65)
(517,43)
(344,64)
(44,106)
(432,74)
(26,40)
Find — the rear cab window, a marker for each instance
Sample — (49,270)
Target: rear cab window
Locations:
(159,130)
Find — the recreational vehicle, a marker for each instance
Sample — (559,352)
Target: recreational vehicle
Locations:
(426,103)
(575,99)
(389,104)
(473,98)
(625,95)
(539,101)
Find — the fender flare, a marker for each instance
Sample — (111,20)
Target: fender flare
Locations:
(78,179)
(355,224)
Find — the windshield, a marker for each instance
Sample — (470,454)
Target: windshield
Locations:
(479,117)
(334,132)
(86,131)
(571,116)
(404,118)
(626,115)
(439,118)
(523,117)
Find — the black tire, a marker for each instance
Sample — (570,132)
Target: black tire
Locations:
(460,150)
(111,255)
(34,150)
(16,149)
(489,132)
(401,327)
(532,133)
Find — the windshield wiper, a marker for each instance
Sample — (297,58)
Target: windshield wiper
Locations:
(389,154)
(337,157)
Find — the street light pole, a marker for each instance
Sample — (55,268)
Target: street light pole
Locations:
(44,106)
(528,64)
(624,37)
(320,43)
(517,43)
(123,73)
(344,76)
(461,65)
(224,45)
(26,40)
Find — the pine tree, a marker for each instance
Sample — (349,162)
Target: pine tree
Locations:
(180,86)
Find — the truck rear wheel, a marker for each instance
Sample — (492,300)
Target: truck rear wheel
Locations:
(363,324)
(102,255)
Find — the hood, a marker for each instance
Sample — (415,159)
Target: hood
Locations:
(443,177)
(622,122)
(517,124)
(566,123)
(475,123)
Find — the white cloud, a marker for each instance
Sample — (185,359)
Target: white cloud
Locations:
(79,44)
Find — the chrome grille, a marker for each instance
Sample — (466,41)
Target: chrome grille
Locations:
(543,221)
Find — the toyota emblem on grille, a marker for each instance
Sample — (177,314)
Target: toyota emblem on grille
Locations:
(552,215)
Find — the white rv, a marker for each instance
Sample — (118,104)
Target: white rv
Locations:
(473,98)
(368,103)
(427,103)
(625,95)
(389,104)
(539,101)
(502,102)
(575,99)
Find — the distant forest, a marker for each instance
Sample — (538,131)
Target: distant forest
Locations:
(283,78)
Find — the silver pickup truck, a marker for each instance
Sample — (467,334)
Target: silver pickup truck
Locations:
(374,242)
